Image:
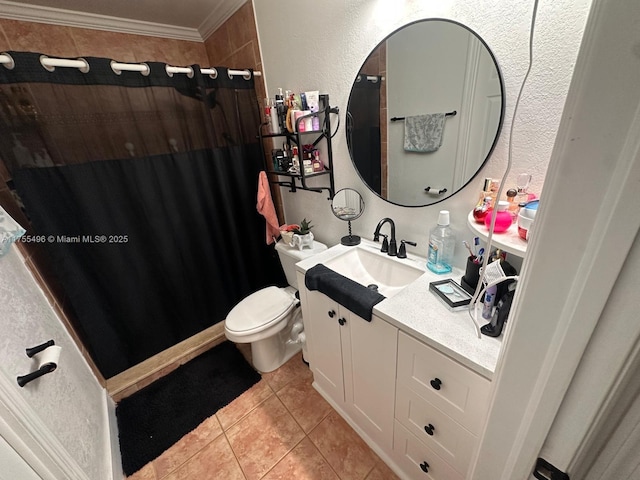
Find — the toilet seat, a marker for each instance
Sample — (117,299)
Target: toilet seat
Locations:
(259,311)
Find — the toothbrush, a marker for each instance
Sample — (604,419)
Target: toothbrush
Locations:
(466,244)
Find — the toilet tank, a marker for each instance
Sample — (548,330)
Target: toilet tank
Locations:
(289,256)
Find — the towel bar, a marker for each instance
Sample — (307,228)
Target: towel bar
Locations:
(448,114)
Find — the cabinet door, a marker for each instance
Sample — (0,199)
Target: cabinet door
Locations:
(443,382)
(323,315)
(417,460)
(369,357)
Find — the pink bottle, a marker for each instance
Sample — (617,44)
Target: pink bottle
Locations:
(503,218)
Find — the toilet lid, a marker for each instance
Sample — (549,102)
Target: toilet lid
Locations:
(260,309)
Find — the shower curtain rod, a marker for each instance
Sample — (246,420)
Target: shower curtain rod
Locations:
(81,64)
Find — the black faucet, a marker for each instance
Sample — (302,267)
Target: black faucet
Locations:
(392,248)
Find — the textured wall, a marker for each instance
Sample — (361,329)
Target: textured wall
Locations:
(328,54)
(69,401)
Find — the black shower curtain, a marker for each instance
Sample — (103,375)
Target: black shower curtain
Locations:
(363,126)
(143,191)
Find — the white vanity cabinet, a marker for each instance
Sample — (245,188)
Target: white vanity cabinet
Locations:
(440,408)
(414,382)
(354,364)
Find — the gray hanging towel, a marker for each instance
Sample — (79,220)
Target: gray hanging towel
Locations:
(423,133)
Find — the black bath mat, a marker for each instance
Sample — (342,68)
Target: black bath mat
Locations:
(156,417)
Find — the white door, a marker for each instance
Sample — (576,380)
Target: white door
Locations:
(13,465)
(575,268)
(483,100)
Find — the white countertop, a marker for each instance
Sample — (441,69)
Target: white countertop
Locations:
(418,312)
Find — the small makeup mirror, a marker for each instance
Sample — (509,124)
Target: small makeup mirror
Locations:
(347,205)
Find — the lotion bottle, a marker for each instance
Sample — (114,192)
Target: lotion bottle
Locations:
(441,245)
(489,300)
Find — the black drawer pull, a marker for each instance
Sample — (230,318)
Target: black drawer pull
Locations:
(342,321)
(331,313)
(429,429)
(436,383)
(425,467)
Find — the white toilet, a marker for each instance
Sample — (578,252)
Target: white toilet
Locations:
(270,319)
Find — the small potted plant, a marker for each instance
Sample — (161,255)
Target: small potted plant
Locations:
(298,235)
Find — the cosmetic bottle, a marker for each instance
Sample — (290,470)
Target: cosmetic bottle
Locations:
(441,245)
(482,210)
(294,159)
(274,126)
(522,186)
(503,218)
(513,207)
(280,108)
(318,166)
(315,123)
(489,300)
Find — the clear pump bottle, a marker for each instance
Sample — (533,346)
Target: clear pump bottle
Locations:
(442,243)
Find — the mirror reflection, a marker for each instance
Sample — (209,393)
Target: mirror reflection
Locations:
(347,204)
(424,112)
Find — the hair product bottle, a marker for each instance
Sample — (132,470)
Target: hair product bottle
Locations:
(441,245)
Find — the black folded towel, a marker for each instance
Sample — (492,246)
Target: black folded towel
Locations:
(357,298)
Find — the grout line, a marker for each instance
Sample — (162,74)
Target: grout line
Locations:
(235,455)
(283,457)
(248,411)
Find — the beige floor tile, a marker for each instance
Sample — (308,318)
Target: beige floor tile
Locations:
(145,473)
(242,405)
(214,462)
(304,462)
(294,368)
(346,452)
(262,438)
(303,402)
(187,446)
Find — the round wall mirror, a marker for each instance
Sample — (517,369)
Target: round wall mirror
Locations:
(347,204)
(425,112)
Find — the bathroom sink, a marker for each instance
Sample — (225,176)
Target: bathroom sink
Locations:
(374,269)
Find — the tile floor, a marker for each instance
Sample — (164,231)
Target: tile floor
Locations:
(279,429)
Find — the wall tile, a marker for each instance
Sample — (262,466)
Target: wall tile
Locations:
(218,45)
(39,37)
(243,27)
(4,41)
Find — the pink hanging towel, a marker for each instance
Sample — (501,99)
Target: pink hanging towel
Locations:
(266,208)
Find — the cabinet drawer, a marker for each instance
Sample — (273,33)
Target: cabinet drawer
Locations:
(436,430)
(457,391)
(413,457)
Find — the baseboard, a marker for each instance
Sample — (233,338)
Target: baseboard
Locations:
(138,376)
(381,452)
(115,458)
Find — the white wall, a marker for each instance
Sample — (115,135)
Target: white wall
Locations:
(70,402)
(334,37)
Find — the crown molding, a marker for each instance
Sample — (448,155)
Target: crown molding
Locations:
(70,18)
(220,14)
